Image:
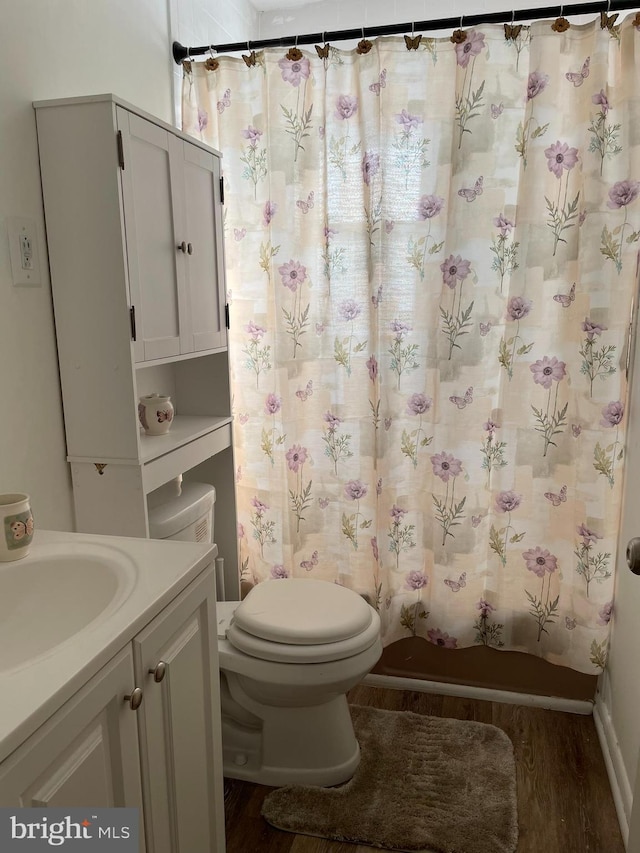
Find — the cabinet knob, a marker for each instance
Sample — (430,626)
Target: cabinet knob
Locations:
(159,671)
(182,247)
(134,698)
(190,248)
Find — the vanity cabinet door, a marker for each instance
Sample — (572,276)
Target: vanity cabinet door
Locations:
(176,660)
(86,754)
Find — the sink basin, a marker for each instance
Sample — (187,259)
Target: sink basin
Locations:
(54,594)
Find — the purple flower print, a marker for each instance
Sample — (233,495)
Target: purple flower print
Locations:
(454,270)
(372,367)
(508,501)
(294,72)
(259,507)
(612,414)
(270,208)
(469,48)
(429,206)
(278,572)
(399,328)
(536,83)
(518,307)
(547,370)
(540,561)
(605,613)
(203,119)
(374,548)
(296,456)
(349,309)
(240,531)
(560,157)
(346,106)
(490,426)
(589,537)
(370,166)
(445,466)
(397,514)
(293,274)
(438,638)
(601,99)
(623,193)
(252,134)
(355,490)
(484,607)
(332,420)
(419,404)
(272,404)
(379,486)
(255,331)
(504,225)
(416,580)
(407,120)
(592,329)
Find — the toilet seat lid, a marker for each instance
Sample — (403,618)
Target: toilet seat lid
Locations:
(301,611)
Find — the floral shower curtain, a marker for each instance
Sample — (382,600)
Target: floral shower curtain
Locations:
(431,259)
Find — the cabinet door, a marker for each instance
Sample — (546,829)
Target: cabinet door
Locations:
(86,754)
(205,264)
(180,730)
(157,271)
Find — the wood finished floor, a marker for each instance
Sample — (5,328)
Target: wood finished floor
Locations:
(564,800)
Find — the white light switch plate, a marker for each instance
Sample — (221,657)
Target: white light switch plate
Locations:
(24,252)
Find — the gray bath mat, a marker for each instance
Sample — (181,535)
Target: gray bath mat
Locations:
(423,784)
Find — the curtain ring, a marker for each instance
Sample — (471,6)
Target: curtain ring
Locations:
(513,16)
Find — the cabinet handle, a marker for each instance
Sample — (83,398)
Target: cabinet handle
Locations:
(159,671)
(190,248)
(134,698)
(182,247)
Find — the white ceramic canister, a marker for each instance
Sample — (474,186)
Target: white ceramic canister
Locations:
(155,413)
(17,526)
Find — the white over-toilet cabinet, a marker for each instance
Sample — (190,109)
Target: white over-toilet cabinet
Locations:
(134,223)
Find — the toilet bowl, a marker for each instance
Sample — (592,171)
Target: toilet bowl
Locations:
(288,655)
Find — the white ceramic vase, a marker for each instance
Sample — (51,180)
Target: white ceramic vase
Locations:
(155,413)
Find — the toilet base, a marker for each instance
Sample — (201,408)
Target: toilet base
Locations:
(313,745)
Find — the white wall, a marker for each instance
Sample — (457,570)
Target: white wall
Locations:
(59,48)
(340,15)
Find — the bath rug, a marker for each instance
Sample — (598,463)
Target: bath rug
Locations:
(423,784)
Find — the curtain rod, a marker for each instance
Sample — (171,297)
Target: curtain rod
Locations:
(180,52)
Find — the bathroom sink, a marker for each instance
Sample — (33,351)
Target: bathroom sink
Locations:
(54,594)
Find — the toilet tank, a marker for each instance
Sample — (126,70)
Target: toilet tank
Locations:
(188,517)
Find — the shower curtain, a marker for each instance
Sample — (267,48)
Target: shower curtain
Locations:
(431,248)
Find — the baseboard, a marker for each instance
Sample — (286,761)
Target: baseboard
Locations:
(552,703)
(616,771)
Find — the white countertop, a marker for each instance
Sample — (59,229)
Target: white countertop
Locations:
(157,571)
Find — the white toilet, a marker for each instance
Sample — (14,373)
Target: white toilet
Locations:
(288,655)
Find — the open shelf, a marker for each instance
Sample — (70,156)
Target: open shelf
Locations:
(184,429)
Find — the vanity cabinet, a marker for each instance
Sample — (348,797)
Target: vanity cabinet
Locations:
(163,757)
(134,222)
